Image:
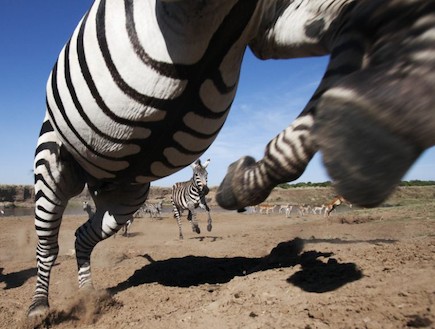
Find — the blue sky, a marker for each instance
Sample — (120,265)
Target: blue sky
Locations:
(270,95)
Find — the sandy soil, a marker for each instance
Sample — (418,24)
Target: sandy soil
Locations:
(358,269)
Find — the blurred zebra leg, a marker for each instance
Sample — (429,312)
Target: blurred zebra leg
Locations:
(374,124)
(115,205)
(248,182)
(57,179)
(203,205)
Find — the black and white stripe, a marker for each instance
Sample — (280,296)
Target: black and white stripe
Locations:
(140,91)
(143,87)
(190,195)
(371,116)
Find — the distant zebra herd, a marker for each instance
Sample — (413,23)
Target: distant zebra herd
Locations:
(302,210)
(153,209)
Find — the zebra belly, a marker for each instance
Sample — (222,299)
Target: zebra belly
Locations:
(163,149)
(141,151)
(126,116)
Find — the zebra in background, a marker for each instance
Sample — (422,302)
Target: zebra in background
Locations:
(151,209)
(154,209)
(159,207)
(371,116)
(190,195)
(143,87)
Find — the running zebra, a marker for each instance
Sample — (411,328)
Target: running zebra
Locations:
(143,87)
(139,92)
(158,208)
(191,195)
(371,116)
(151,209)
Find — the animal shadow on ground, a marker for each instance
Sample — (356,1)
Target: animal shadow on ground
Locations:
(315,276)
(16,279)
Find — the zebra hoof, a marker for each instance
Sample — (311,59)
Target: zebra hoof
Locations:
(196,229)
(209,227)
(226,195)
(233,193)
(365,160)
(38,311)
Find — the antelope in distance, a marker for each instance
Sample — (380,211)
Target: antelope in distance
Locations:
(335,202)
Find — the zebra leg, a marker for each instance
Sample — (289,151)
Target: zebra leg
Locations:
(373,125)
(204,206)
(125,229)
(191,217)
(248,182)
(365,158)
(57,179)
(177,216)
(115,205)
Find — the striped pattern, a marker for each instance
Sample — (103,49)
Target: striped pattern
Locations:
(380,78)
(111,112)
(143,87)
(190,195)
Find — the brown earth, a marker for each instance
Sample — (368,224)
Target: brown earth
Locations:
(359,268)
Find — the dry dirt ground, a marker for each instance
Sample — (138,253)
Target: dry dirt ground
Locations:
(357,269)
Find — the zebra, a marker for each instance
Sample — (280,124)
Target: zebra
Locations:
(190,195)
(152,209)
(371,116)
(143,87)
(159,207)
